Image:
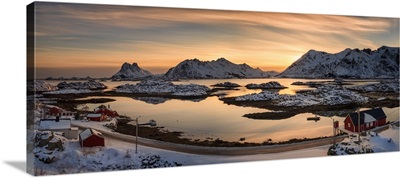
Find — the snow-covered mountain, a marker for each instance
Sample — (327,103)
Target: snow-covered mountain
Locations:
(349,63)
(221,68)
(131,72)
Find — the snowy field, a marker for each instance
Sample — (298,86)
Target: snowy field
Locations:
(372,142)
(120,155)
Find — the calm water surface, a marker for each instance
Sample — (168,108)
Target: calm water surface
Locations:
(211,118)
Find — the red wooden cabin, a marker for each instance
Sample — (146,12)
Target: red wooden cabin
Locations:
(369,119)
(96,117)
(106,111)
(91,138)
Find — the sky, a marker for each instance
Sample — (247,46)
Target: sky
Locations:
(95,40)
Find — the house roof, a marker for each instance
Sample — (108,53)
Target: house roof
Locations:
(52,124)
(368,115)
(89,132)
(93,115)
(101,107)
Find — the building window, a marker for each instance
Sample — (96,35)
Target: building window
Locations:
(348,125)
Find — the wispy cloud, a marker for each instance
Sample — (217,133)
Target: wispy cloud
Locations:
(164,36)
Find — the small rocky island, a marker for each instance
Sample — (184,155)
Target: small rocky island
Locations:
(268,85)
(226,85)
(162,87)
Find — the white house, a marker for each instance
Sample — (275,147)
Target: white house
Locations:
(59,125)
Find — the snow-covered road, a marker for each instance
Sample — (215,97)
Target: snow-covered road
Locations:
(201,150)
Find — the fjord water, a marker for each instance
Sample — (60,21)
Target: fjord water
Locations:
(211,118)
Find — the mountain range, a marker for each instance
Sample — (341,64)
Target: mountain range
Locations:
(195,69)
(349,63)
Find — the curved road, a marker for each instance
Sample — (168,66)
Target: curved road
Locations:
(202,150)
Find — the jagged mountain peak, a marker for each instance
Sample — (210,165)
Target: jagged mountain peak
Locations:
(223,60)
(131,72)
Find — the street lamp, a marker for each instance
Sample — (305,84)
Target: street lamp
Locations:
(151,122)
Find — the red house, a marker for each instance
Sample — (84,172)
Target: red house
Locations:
(96,117)
(54,111)
(91,138)
(106,111)
(57,111)
(369,119)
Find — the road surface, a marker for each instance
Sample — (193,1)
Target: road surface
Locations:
(203,150)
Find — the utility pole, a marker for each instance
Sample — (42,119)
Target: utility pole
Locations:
(334,131)
(359,123)
(137,132)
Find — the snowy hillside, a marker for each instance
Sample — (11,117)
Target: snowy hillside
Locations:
(55,154)
(131,72)
(349,63)
(371,142)
(221,68)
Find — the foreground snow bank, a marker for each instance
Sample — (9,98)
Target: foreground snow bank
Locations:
(161,86)
(370,143)
(323,95)
(55,154)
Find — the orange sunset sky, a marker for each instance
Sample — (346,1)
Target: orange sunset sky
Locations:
(94,40)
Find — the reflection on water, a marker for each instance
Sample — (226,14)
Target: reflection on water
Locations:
(152,100)
(212,118)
